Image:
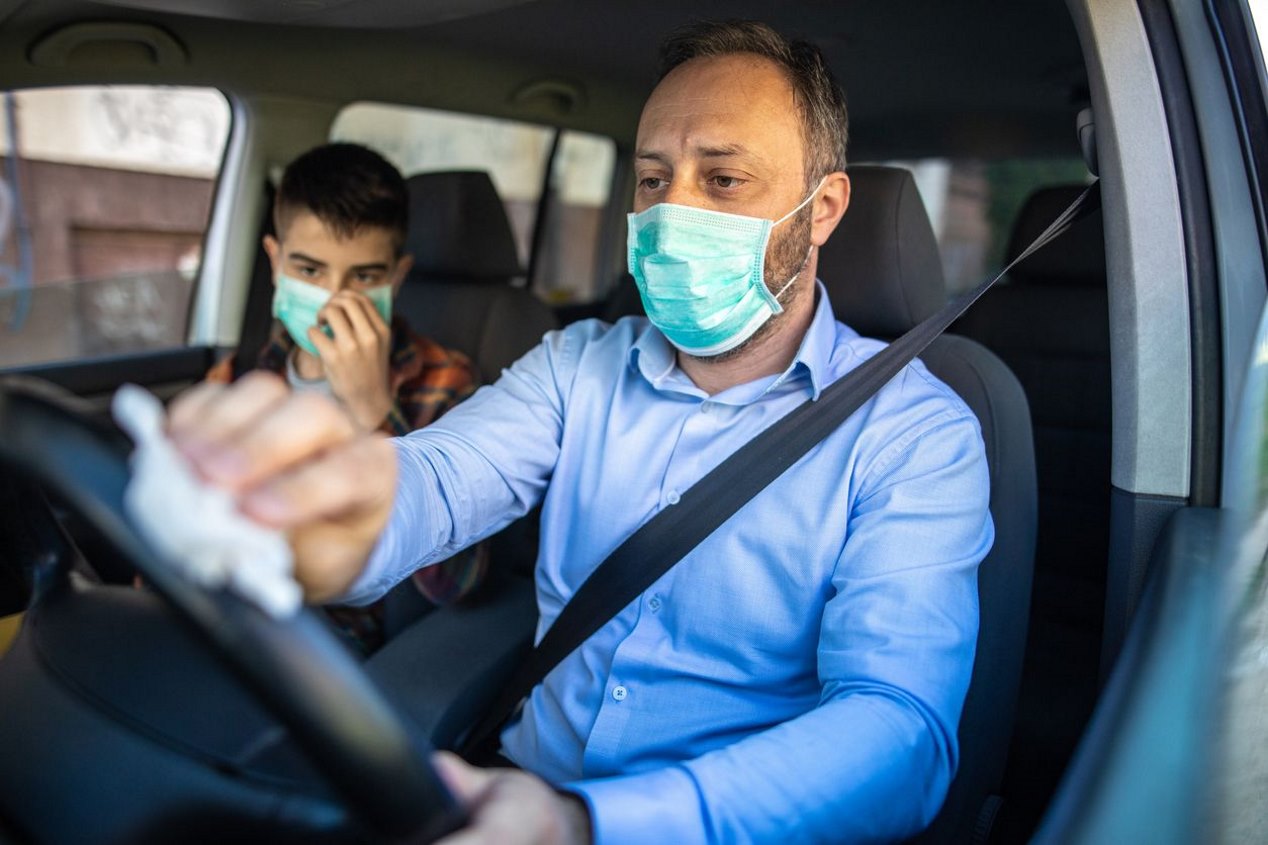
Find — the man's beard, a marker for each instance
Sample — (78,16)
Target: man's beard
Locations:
(786,256)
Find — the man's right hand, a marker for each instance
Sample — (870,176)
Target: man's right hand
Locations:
(297,462)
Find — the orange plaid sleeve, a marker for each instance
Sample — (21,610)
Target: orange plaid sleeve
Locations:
(221,372)
(427,380)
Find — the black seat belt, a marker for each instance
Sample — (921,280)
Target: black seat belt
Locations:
(667,537)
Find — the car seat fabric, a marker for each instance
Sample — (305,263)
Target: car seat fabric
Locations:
(883,274)
(460,291)
(1050,324)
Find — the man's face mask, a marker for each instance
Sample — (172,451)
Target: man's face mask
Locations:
(700,274)
(296,304)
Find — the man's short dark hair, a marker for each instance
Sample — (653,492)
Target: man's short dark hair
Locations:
(820,101)
(346,186)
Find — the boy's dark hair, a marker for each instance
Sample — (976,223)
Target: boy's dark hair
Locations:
(820,101)
(347,187)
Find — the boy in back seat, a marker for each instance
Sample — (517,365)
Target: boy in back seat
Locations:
(341,218)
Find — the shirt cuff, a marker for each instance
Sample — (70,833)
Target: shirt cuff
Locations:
(383,568)
(662,805)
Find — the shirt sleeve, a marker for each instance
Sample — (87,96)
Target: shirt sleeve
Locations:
(481,466)
(872,762)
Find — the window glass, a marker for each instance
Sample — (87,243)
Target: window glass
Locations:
(566,271)
(973,205)
(1241,764)
(515,155)
(1259,20)
(105,194)
(419,140)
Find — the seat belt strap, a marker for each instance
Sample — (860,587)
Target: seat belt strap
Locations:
(671,534)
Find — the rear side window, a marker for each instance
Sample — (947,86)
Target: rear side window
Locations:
(105,195)
(974,204)
(557,239)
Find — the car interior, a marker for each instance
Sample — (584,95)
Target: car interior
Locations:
(1105,371)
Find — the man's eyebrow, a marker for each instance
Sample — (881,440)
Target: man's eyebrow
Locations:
(376,265)
(299,256)
(711,151)
(724,151)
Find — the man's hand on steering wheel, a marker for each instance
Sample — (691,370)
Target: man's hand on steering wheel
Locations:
(511,807)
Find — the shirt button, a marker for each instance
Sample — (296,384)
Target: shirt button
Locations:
(654,603)
(706,407)
(619,693)
(672,497)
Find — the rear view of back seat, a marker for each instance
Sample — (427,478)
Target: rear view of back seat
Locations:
(1050,325)
(460,289)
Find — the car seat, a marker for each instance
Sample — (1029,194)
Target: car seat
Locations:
(883,274)
(460,291)
(1050,324)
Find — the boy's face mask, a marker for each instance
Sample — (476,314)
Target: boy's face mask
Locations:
(296,304)
(701,274)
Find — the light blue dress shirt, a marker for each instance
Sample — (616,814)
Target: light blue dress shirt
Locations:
(799,676)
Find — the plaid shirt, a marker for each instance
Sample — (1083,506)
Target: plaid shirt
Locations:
(426,380)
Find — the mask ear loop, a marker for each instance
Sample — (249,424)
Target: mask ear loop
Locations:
(799,207)
(795,276)
(802,204)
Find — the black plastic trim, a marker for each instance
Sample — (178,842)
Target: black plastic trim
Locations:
(102,375)
(1161,692)
(1136,522)
(1243,66)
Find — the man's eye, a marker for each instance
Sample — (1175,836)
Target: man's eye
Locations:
(727,181)
(652,183)
(367,279)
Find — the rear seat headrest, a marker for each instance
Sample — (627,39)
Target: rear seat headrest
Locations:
(881,266)
(1077,259)
(458,228)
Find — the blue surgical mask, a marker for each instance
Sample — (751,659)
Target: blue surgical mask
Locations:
(296,304)
(700,274)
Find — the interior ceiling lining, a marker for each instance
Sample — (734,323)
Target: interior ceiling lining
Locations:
(357,14)
(1014,87)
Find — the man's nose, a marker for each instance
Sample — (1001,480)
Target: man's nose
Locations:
(686,190)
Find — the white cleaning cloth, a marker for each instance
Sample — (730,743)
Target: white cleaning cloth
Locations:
(196,526)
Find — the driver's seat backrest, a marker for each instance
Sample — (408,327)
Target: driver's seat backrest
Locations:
(883,274)
(461,290)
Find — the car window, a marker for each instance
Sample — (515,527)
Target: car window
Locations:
(105,193)
(1243,764)
(973,204)
(516,155)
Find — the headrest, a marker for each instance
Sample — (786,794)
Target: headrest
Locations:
(1076,259)
(881,266)
(458,228)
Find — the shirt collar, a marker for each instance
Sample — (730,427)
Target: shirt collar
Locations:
(655,358)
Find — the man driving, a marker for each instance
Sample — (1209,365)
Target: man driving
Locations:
(797,677)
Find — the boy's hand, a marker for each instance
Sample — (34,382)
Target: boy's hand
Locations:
(355,359)
(297,462)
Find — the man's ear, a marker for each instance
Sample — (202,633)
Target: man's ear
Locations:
(273,250)
(832,200)
(403,265)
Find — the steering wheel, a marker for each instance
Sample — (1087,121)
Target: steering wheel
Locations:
(295,667)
